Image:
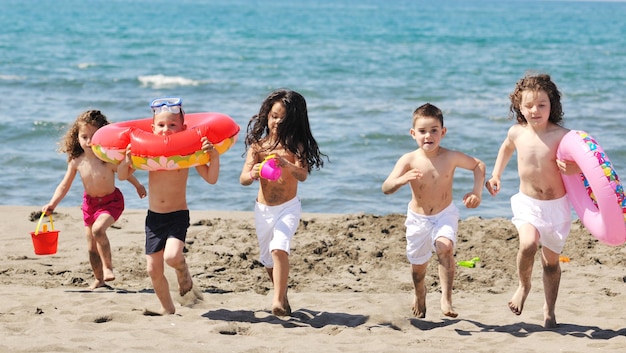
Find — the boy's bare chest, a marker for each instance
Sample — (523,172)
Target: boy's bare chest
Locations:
(537,154)
(432,170)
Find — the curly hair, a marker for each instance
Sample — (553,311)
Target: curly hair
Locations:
(294,132)
(535,83)
(70,144)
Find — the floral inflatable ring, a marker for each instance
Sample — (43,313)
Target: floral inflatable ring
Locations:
(156,152)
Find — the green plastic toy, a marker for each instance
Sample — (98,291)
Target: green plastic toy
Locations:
(469,263)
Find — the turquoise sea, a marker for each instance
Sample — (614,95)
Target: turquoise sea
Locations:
(363,67)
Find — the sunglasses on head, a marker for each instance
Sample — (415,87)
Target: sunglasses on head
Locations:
(172,105)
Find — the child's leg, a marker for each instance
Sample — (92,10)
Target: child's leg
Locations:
(173,257)
(444,248)
(279,276)
(551,281)
(98,229)
(94,259)
(156,268)
(418,274)
(528,243)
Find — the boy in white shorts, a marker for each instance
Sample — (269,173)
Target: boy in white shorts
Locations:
(432,218)
(551,218)
(541,212)
(422,232)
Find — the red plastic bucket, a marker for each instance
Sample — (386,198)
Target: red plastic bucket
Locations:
(45,242)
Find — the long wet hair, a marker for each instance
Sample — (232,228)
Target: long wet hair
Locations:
(70,144)
(294,132)
(535,83)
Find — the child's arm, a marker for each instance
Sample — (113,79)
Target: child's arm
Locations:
(125,168)
(250,170)
(141,190)
(61,189)
(472,199)
(298,169)
(400,175)
(568,167)
(210,173)
(504,155)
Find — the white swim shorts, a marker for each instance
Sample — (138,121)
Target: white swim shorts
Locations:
(551,218)
(275,227)
(422,231)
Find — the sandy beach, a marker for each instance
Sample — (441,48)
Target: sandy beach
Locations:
(349,288)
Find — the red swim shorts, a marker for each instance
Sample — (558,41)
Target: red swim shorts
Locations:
(93,207)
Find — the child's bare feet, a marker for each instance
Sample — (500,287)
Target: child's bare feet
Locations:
(516,304)
(97,283)
(108,274)
(162,312)
(549,319)
(419,303)
(446,309)
(282,309)
(185,283)
(193,297)
(419,308)
(550,323)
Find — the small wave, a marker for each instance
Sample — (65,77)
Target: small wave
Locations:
(500,118)
(12,78)
(162,81)
(83,66)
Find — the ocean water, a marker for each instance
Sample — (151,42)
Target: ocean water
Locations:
(363,67)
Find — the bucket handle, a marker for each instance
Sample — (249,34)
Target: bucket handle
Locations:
(39,223)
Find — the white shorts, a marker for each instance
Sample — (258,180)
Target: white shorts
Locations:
(422,231)
(275,227)
(551,218)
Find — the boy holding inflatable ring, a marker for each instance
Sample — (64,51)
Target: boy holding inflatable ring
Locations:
(281,128)
(432,218)
(168,215)
(541,211)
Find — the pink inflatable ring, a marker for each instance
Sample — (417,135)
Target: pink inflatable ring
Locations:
(597,194)
(155,152)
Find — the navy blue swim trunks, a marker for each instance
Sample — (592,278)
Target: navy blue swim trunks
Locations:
(161,226)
